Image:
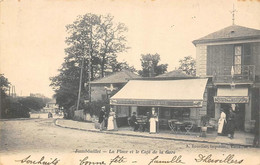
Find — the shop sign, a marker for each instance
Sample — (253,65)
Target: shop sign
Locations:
(231,99)
(167,103)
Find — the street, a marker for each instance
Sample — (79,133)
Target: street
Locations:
(21,136)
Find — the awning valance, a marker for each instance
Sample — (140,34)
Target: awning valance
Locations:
(228,95)
(168,93)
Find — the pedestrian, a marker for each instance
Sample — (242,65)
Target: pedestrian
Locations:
(222,122)
(231,124)
(111,125)
(147,122)
(101,119)
(153,121)
(133,122)
(256,142)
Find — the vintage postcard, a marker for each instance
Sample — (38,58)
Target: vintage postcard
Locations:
(145,82)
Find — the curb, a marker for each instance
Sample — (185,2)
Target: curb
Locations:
(149,137)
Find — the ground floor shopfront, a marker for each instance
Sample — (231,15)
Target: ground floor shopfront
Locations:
(243,98)
(173,100)
(187,101)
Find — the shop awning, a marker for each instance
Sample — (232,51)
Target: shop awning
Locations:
(167,93)
(228,95)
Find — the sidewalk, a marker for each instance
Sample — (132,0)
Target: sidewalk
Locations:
(240,139)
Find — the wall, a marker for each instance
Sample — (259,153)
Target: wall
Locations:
(80,116)
(211,56)
(98,91)
(201,60)
(219,56)
(256,57)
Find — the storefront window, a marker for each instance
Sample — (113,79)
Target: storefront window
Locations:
(142,111)
(180,113)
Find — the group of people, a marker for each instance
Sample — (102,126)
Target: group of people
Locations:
(150,123)
(107,120)
(227,123)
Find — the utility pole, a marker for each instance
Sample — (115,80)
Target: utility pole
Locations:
(80,82)
(89,79)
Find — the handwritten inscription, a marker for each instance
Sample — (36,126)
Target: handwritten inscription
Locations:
(119,159)
(210,159)
(28,160)
(85,161)
(175,159)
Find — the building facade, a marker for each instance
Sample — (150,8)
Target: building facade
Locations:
(230,59)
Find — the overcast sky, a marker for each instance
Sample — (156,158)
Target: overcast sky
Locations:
(33,32)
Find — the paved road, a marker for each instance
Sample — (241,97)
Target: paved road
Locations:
(37,136)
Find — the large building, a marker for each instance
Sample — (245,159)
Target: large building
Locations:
(230,58)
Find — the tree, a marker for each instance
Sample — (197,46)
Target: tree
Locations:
(112,42)
(118,66)
(4,86)
(33,103)
(188,65)
(93,42)
(150,65)
(10,107)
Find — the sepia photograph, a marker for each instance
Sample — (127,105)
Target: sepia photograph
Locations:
(143,82)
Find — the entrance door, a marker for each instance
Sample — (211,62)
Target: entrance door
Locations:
(240,115)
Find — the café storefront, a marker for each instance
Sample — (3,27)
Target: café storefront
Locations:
(179,100)
(238,99)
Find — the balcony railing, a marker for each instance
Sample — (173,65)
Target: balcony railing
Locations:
(241,74)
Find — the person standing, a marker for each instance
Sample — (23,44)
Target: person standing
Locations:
(153,121)
(256,142)
(111,124)
(231,124)
(222,122)
(101,119)
(147,122)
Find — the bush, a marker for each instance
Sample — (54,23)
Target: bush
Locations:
(15,109)
(93,108)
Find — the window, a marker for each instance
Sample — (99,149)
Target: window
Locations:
(142,111)
(237,59)
(180,113)
(247,54)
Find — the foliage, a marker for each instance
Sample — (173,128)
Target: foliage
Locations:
(33,103)
(10,108)
(93,108)
(150,65)
(16,110)
(188,65)
(93,44)
(4,84)
(119,66)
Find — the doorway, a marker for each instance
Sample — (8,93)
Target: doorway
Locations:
(240,115)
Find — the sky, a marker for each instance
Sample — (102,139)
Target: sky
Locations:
(32,32)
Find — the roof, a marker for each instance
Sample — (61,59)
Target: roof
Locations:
(174,73)
(161,93)
(116,77)
(230,33)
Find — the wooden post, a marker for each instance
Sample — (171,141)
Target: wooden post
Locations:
(158,119)
(80,83)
